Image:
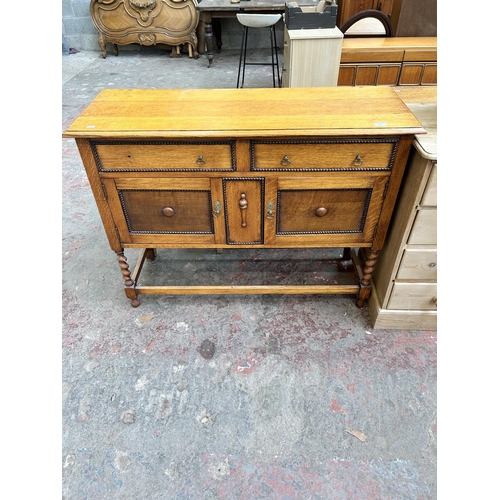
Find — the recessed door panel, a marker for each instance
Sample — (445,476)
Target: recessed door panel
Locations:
(243,208)
(329,210)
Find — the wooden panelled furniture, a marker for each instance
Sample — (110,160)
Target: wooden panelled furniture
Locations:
(304,61)
(146,22)
(388,61)
(404,293)
(368,23)
(239,168)
(347,8)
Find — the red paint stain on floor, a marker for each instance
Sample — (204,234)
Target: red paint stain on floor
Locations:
(336,408)
(246,367)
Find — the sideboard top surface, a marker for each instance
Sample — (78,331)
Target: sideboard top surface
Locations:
(238,113)
(422,102)
(390,43)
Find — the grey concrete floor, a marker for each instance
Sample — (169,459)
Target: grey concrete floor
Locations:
(145,416)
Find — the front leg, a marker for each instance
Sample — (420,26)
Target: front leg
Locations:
(209,38)
(101,40)
(129,282)
(365,283)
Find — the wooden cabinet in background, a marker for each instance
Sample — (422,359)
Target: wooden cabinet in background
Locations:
(311,57)
(146,22)
(388,61)
(347,8)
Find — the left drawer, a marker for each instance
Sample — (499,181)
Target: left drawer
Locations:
(164,156)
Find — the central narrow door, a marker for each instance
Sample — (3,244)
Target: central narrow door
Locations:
(243,202)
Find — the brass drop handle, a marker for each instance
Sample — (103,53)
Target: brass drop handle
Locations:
(217,208)
(286,161)
(168,212)
(270,209)
(321,211)
(435,300)
(200,161)
(243,207)
(358,161)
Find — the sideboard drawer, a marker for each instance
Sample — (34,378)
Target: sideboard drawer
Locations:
(411,296)
(165,156)
(429,197)
(418,265)
(424,230)
(322,155)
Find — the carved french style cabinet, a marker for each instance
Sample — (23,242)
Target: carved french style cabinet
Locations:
(146,22)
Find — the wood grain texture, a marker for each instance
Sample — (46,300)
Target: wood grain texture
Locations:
(295,112)
(326,172)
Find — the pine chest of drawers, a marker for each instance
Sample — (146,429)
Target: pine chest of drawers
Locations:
(224,168)
(404,291)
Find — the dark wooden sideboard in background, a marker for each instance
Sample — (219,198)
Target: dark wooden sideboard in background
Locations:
(408,17)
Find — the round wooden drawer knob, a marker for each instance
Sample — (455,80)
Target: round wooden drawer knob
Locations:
(321,211)
(168,211)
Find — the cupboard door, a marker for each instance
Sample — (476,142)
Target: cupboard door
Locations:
(243,206)
(327,211)
(161,210)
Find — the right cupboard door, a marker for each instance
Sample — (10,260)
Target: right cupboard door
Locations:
(341,210)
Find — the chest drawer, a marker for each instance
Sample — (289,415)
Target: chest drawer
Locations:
(429,197)
(164,156)
(324,155)
(424,230)
(418,265)
(411,296)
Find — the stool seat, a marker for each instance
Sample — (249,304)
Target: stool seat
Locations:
(258,20)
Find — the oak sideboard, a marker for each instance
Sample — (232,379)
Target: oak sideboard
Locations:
(239,168)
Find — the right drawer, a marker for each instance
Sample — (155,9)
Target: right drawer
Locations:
(335,154)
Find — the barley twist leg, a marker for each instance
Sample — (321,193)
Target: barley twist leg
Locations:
(129,282)
(365,283)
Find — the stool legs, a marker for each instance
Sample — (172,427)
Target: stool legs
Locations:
(274,58)
(243,54)
(273,29)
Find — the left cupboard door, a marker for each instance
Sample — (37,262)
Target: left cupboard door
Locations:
(166,211)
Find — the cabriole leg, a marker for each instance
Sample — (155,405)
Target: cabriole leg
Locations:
(129,282)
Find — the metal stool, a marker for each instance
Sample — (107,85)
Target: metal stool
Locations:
(259,21)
